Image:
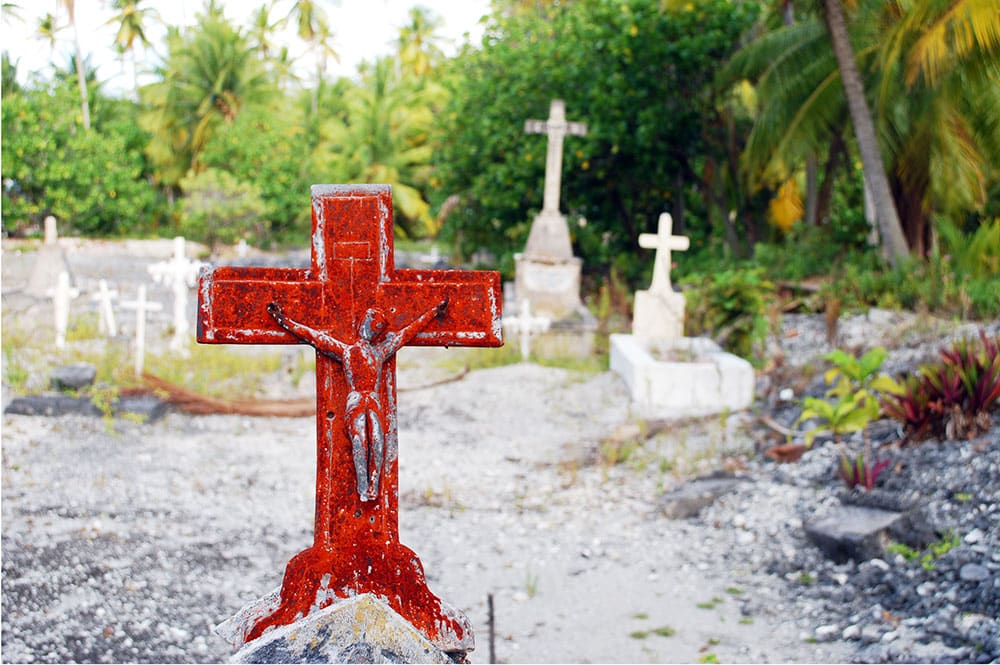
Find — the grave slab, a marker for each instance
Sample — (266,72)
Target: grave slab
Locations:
(702,379)
(852,532)
(361,629)
(73,377)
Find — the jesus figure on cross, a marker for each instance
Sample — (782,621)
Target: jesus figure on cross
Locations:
(362,362)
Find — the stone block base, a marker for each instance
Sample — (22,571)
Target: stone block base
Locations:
(659,316)
(694,378)
(552,287)
(362,629)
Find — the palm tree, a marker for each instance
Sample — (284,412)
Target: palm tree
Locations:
(417,44)
(210,75)
(313,27)
(262,28)
(131,21)
(890,229)
(70,7)
(47,29)
(384,139)
(936,139)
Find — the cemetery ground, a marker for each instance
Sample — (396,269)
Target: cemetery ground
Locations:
(127,541)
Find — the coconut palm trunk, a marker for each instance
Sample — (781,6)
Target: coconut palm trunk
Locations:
(889,226)
(84,97)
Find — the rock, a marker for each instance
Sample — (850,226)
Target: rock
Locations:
(689,500)
(826,633)
(362,629)
(148,407)
(52,405)
(73,377)
(852,632)
(973,572)
(852,532)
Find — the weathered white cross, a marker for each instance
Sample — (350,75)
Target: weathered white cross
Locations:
(557,128)
(103,298)
(61,295)
(181,274)
(141,306)
(526,325)
(663,241)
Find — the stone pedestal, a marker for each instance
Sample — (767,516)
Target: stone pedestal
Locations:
(361,629)
(659,316)
(551,286)
(690,376)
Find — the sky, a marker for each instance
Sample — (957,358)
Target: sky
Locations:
(363,30)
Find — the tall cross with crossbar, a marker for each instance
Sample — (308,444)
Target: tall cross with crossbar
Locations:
(357,310)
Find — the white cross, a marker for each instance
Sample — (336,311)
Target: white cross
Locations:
(61,295)
(51,231)
(103,297)
(663,241)
(557,128)
(141,306)
(242,249)
(181,274)
(524,324)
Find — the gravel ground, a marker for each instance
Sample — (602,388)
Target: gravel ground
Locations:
(129,544)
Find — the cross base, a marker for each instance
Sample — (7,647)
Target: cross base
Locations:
(316,578)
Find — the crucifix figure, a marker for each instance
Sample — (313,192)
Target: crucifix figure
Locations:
(357,311)
(362,362)
(663,241)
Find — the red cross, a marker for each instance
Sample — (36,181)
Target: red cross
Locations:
(356,546)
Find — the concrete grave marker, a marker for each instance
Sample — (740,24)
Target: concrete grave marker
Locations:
(524,325)
(50,260)
(141,307)
(547,273)
(62,294)
(105,308)
(659,311)
(357,310)
(181,274)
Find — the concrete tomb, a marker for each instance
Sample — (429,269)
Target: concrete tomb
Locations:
(357,310)
(667,373)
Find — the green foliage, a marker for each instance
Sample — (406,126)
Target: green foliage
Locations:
(640,84)
(951,398)
(928,556)
(730,306)
(269,151)
(92,181)
(219,208)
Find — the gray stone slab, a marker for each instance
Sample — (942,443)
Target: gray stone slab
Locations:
(852,532)
(52,405)
(362,629)
(690,499)
(73,377)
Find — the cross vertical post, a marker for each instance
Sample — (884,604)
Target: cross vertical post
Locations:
(557,128)
(357,310)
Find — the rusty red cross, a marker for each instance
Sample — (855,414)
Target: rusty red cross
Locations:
(357,310)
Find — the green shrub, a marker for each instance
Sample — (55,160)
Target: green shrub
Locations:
(729,306)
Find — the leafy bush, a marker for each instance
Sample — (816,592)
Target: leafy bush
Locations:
(953,397)
(219,208)
(729,306)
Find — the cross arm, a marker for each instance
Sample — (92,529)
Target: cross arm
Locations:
(472,317)
(232,303)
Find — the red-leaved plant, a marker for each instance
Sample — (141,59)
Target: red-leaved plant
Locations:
(953,397)
(861,471)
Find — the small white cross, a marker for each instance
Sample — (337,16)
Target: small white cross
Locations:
(141,306)
(61,296)
(103,297)
(181,274)
(525,325)
(663,241)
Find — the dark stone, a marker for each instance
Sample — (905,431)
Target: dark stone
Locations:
(52,405)
(690,499)
(149,407)
(852,532)
(973,572)
(73,377)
